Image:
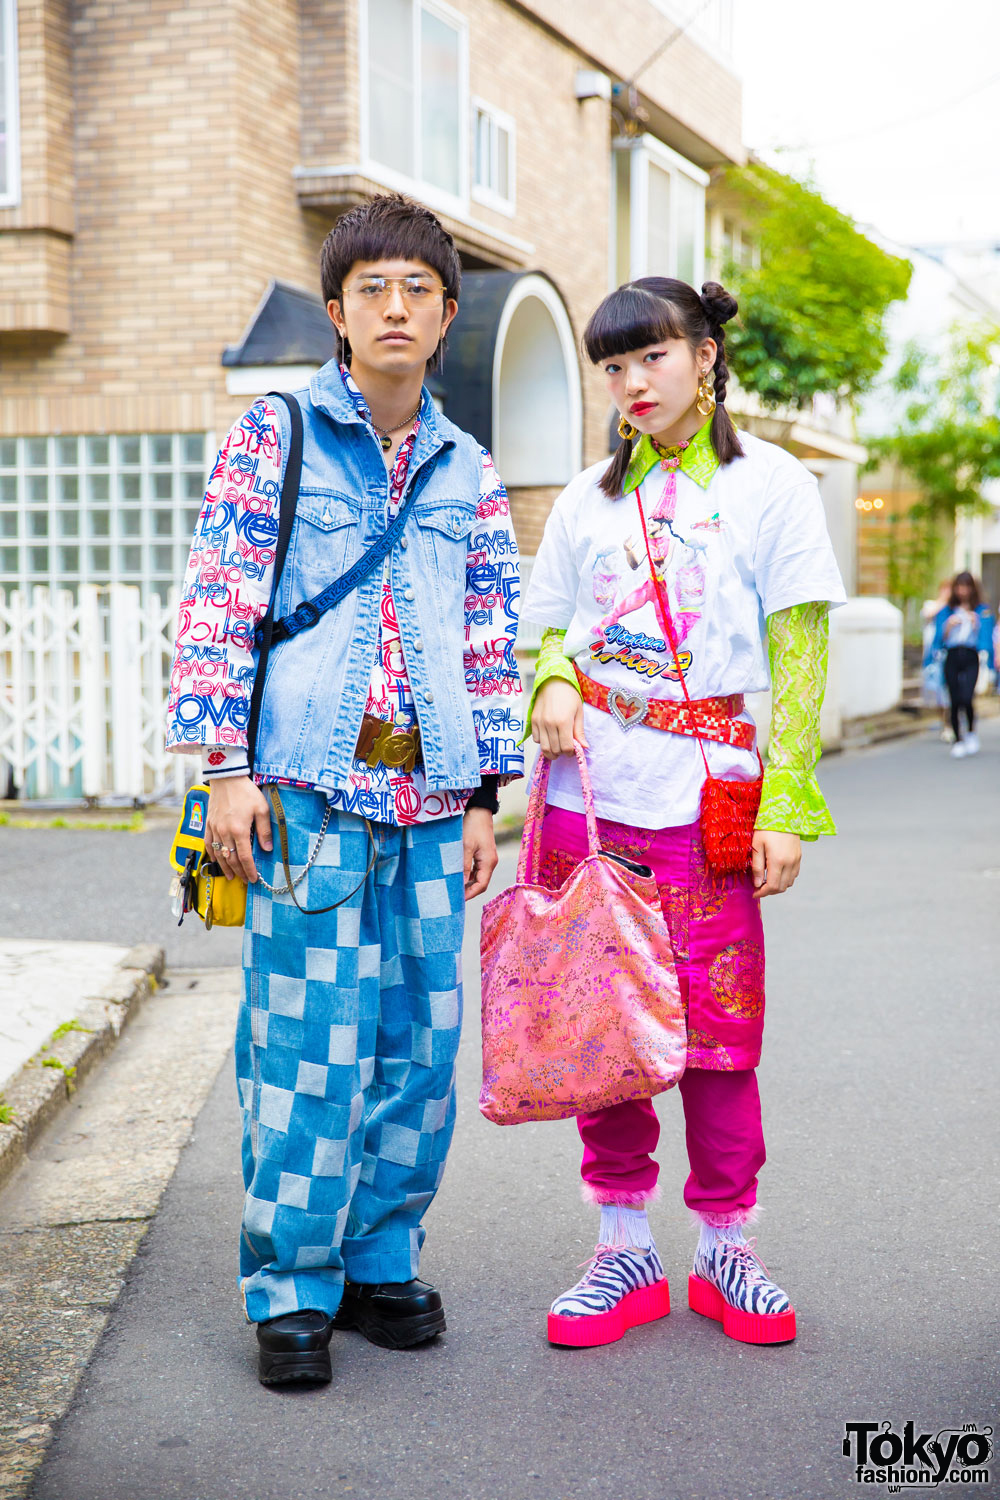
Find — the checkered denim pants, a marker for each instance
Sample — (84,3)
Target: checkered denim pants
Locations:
(345,1056)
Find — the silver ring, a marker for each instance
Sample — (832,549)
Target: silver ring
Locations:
(216,846)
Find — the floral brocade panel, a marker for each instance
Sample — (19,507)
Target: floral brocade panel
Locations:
(705,1052)
(737,978)
(571,1020)
(709,891)
(714,924)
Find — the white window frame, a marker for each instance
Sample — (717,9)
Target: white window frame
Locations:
(429,192)
(502,121)
(12,196)
(645,149)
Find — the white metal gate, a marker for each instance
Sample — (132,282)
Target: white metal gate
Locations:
(83,687)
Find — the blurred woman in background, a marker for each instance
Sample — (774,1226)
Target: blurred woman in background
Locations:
(935,694)
(964,631)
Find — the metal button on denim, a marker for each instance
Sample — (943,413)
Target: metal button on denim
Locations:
(403,543)
(409,594)
(418,644)
(428,696)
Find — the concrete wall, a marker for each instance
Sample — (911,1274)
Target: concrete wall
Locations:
(838,488)
(866,648)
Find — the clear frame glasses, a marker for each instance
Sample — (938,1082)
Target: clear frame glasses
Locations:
(375,291)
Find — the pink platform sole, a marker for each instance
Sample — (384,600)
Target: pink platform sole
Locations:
(747,1328)
(644,1305)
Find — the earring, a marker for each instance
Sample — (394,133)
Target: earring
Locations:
(626,430)
(705,402)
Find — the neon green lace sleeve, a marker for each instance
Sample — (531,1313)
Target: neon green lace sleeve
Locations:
(552,662)
(798,645)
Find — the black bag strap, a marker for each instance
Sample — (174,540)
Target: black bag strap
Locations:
(307,613)
(286,516)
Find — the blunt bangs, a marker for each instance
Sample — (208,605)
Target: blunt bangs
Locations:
(388,227)
(630,318)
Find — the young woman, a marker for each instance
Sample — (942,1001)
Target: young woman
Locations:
(738,542)
(935,694)
(963,630)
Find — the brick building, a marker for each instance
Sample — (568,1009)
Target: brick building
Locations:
(168,173)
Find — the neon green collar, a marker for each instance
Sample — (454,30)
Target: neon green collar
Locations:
(698,461)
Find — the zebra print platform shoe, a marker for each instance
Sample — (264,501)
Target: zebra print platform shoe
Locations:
(622,1287)
(731,1284)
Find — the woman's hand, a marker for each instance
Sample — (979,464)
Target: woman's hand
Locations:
(480,850)
(776,861)
(557,719)
(236,808)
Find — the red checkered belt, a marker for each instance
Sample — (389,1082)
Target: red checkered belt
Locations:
(703,718)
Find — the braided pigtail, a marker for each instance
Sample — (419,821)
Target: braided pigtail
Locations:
(719,307)
(613,478)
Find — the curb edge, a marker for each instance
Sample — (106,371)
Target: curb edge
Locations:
(37,1093)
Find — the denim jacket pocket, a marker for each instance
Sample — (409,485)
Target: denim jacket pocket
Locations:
(324,540)
(445,528)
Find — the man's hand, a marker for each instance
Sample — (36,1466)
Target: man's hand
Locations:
(557,719)
(776,861)
(480,850)
(236,808)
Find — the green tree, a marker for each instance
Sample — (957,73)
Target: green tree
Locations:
(948,435)
(947,443)
(813,310)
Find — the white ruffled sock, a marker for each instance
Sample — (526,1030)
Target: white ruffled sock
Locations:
(621,1225)
(718,1234)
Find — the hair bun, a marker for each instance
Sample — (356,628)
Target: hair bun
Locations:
(719,304)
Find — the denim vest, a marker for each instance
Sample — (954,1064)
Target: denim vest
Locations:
(317,681)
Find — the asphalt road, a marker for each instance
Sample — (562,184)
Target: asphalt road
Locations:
(881,1118)
(103,886)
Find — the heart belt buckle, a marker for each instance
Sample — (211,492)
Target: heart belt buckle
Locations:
(627,709)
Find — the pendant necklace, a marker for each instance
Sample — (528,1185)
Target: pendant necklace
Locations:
(670,460)
(385,433)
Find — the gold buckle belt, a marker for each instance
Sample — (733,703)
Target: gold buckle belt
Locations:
(382,743)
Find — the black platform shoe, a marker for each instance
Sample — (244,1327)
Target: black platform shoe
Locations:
(295,1347)
(393,1314)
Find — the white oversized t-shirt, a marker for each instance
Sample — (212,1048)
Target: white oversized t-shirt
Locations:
(750,543)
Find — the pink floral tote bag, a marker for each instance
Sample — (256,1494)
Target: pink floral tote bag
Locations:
(581,1004)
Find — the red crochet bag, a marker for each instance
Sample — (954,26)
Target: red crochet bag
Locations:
(729,807)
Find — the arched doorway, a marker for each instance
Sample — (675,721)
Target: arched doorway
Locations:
(537,408)
(512,376)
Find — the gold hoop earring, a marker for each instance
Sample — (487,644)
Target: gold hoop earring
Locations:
(626,430)
(705,402)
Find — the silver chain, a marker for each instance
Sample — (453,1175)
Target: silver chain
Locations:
(388,431)
(285,890)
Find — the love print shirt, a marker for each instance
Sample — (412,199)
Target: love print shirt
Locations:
(245,484)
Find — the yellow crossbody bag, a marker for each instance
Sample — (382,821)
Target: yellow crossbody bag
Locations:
(198,884)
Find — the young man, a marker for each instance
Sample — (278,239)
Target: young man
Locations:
(377,735)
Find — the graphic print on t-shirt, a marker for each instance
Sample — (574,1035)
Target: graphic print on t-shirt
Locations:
(680,569)
(638,653)
(605,577)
